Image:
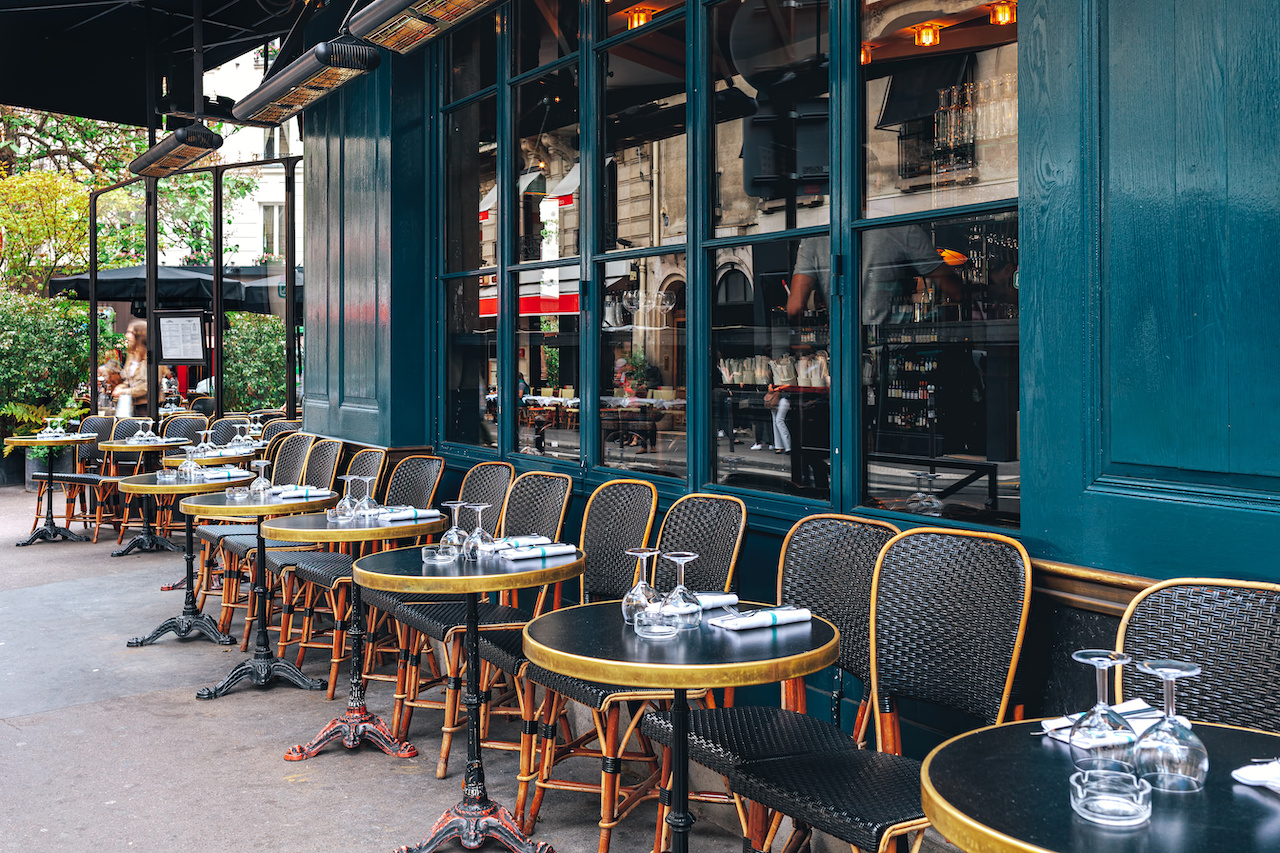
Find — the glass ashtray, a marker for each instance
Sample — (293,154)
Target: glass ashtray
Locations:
(237,493)
(657,623)
(1111,798)
(167,475)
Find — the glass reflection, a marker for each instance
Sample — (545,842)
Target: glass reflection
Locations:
(642,338)
(771,149)
(771,385)
(545,31)
(471,360)
(941,121)
(548,171)
(471,200)
(473,52)
(940,366)
(547,405)
(644,131)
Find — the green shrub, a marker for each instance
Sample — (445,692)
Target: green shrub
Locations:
(44,352)
(253,367)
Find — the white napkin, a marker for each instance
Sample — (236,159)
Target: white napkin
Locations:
(411,514)
(275,490)
(525,553)
(223,451)
(712,600)
(223,473)
(306,492)
(762,619)
(1139,714)
(1266,774)
(519,542)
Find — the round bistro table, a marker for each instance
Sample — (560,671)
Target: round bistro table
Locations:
(357,723)
(147,540)
(592,641)
(1001,788)
(191,619)
(211,461)
(403,570)
(264,666)
(49,530)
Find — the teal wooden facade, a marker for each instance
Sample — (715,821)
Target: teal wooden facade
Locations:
(1149,209)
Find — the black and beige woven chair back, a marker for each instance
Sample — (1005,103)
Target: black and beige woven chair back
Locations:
(365,463)
(949,609)
(536,504)
(414,481)
(710,526)
(267,415)
(289,460)
(125,461)
(278,427)
(485,483)
(203,406)
(224,429)
(619,515)
(1230,628)
(183,426)
(322,464)
(89,456)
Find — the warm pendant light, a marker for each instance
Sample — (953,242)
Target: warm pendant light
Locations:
(1004,12)
(638,17)
(928,35)
(402,25)
(864,58)
(176,151)
(317,73)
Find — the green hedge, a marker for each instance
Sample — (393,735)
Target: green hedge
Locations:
(253,362)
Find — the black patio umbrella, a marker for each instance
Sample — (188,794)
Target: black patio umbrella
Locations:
(176,287)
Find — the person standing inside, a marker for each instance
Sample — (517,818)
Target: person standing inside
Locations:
(133,378)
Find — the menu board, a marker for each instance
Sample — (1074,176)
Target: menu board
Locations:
(181,338)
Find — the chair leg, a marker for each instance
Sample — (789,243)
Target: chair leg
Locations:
(288,596)
(529,714)
(35,522)
(338,602)
(609,773)
(552,705)
(452,691)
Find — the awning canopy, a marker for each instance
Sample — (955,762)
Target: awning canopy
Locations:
(176,287)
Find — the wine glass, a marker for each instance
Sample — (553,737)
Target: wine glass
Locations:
(680,600)
(48,427)
(642,596)
(480,542)
(367,505)
(924,501)
(58,428)
(1169,755)
(189,469)
(261,487)
(206,444)
(1102,739)
(451,543)
(149,432)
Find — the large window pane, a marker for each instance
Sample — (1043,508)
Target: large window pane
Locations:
(770,75)
(471,360)
(642,365)
(545,30)
(939,367)
(547,170)
(473,55)
(941,119)
(644,162)
(471,202)
(770,392)
(547,421)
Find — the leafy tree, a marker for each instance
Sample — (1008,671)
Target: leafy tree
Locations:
(253,369)
(95,152)
(44,351)
(44,225)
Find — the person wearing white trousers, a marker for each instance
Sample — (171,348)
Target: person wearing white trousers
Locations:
(781,435)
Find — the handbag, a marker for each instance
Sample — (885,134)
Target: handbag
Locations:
(771,397)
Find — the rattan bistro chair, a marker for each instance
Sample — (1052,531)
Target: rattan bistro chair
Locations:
(224,428)
(1230,628)
(949,609)
(826,565)
(79,483)
(116,465)
(710,526)
(271,429)
(535,506)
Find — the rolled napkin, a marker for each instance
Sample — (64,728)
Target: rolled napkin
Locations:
(1139,714)
(553,550)
(306,492)
(712,600)
(412,514)
(519,542)
(763,618)
(225,451)
(275,490)
(1265,774)
(223,473)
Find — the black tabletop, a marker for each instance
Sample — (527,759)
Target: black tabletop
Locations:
(1001,788)
(403,570)
(591,641)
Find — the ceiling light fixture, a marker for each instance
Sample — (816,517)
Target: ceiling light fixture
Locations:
(864,58)
(928,35)
(403,25)
(638,17)
(1004,12)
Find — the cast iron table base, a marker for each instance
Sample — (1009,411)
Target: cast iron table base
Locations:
(148,539)
(357,723)
(476,818)
(49,530)
(191,618)
(264,666)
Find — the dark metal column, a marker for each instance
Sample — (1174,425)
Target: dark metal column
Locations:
(153,327)
(218,310)
(290,293)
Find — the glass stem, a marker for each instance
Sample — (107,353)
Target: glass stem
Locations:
(1102,686)
(1169,710)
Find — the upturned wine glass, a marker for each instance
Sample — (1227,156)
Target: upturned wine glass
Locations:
(480,542)
(680,600)
(451,543)
(189,469)
(367,505)
(1102,739)
(1169,755)
(642,596)
(924,501)
(206,443)
(260,487)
